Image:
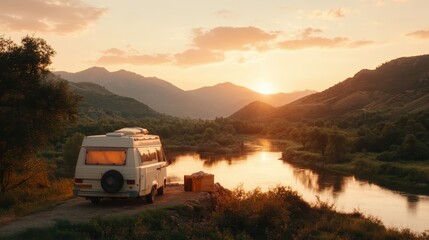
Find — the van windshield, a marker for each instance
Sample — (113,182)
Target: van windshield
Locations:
(106,157)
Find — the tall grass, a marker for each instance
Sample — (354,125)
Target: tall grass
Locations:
(30,199)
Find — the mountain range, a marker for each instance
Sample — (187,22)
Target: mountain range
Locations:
(99,103)
(398,87)
(208,102)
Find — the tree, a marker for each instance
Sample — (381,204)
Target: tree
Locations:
(413,149)
(209,134)
(318,139)
(71,152)
(34,105)
(337,147)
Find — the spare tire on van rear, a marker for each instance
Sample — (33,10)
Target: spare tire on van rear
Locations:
(112,181)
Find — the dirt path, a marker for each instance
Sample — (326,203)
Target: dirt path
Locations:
(79,209)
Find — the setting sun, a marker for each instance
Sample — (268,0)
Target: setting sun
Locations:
(265,88)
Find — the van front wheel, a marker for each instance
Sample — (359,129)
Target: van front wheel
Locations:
(150,198)
(160,191)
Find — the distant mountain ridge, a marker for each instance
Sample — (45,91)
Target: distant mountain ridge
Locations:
(98,103)
(235,97)
(220,100)
(158,94)
(397,87)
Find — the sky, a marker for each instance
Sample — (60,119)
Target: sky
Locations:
(268,46)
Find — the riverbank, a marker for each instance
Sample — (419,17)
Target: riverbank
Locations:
(279,213)
(407,176)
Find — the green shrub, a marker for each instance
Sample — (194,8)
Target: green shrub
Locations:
(389,156)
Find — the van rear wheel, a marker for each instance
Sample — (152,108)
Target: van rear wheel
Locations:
(150,198)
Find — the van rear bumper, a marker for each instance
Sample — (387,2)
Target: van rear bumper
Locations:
(127,194)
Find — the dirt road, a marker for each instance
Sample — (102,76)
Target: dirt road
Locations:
(79,209)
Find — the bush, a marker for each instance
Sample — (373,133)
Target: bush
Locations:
(7,200)
(277,214)
(388,156)
(261,215)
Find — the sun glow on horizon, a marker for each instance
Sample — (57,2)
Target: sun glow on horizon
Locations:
(265,88)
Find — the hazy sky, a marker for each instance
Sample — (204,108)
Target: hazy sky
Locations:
(271,45)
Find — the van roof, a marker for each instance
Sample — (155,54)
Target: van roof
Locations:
(128,131)
(125,137)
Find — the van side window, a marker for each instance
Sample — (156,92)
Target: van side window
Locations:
(144,155)
(160,153)
(153,156)
(147,155)
(105,157)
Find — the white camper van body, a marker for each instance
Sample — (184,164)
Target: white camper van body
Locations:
(127,163)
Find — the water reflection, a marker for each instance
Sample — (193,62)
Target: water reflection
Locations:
(213,159)
(320,181)
(412,202)
(263,169)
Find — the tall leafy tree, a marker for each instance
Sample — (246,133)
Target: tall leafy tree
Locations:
(34,105)
(337,147)
(413,149)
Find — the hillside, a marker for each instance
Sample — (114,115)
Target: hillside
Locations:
(255,110)
(156,93)
(397,87)
(99,103)
(207,102)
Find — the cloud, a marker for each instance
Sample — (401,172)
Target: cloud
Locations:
(115,56)
(232,38)
(359,43)
(192,57)
(114,51)
(421,34)
(382,2)
(224,13)
(313,42)
(308,40)
(227,43)
(47,16)
(333,13)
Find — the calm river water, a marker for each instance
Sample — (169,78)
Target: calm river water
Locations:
(262,168)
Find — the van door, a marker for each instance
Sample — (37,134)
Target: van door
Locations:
(162,167)
(149,172)
(142,182)
(144,156)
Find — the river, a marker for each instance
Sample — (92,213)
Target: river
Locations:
(264,169)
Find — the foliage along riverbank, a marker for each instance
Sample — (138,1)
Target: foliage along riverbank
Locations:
(279,213)
(409,176)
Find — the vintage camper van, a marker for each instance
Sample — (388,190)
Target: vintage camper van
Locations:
(127,163)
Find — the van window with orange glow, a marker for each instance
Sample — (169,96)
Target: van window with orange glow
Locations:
(106,157)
